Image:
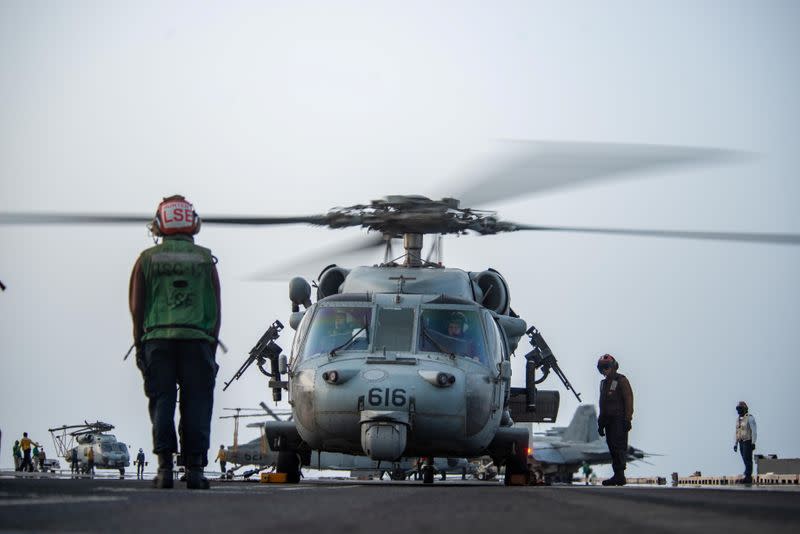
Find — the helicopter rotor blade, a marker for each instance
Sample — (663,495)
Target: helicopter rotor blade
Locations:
(71,218)
(749,237)
(82,218)
(527,167)
(323,256)
(269,410)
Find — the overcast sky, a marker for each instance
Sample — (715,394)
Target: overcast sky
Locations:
(252,108)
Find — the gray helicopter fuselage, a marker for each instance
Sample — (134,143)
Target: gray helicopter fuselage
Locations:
(390,380)
(108,452)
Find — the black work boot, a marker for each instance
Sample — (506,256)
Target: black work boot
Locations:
(194,473)
(619,472)
(163,478)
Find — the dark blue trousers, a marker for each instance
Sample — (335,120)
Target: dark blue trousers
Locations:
(746,450)
(617,441)
(189,364)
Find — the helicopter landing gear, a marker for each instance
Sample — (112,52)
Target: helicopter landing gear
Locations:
(289,463)
(397,474)
(516,470)
(428,471)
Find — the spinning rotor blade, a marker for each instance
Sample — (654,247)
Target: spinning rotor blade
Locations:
(263,221)
(73,218)
(319,258)
(541,166)
(78,218)
(750,237)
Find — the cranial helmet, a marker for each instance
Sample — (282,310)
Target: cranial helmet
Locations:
(743,405)
(607,361)
(175,215)
(457,318)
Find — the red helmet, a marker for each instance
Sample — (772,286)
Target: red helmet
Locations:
(607,361)
(175,215)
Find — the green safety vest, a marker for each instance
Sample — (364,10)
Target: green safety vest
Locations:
(180,302)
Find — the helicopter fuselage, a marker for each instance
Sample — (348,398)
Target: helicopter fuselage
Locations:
(407,372)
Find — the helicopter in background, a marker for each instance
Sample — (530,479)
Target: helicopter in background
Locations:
(412,358)
(108,452)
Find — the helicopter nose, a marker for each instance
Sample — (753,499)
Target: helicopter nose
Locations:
(383,440)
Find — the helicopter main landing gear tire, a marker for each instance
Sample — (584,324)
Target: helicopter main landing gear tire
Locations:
(289,463)
(516,466)
(427,475)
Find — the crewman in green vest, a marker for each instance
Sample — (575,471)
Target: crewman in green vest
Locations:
(175,304)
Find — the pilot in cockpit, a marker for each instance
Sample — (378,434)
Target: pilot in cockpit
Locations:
(341,327)
(456,325)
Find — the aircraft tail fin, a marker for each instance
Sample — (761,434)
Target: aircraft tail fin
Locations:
(583,427)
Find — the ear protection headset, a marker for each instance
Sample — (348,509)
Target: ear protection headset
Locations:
(175,215)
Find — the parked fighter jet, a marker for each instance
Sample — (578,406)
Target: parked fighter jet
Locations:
(561,450)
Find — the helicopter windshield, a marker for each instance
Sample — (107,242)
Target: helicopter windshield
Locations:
(341,328)
(455,332)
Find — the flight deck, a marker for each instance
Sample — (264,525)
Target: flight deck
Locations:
(331,505)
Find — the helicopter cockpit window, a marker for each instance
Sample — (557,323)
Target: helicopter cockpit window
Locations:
(105,447)
(342,328)
(456,332)
(395,330)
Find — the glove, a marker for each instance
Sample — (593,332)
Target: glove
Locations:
(735,448)
(627,426)
(601,430)
(754,446)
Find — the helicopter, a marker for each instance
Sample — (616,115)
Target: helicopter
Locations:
(258,454)
(409,357)
(108,452)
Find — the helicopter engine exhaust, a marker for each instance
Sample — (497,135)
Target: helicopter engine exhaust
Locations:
(383,435)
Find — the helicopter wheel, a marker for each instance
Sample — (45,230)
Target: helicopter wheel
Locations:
(515,466)
(427,474)
(289,463)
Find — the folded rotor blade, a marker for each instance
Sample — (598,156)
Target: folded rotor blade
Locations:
(750,237)
(530,167)
(270,411)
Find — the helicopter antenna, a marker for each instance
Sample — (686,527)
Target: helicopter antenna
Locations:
(388,250)
(435,249)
